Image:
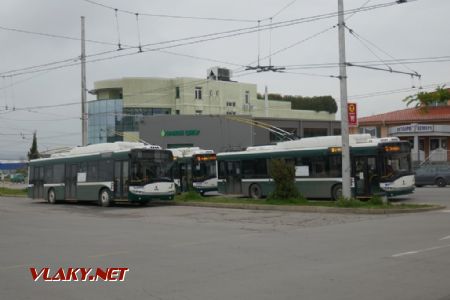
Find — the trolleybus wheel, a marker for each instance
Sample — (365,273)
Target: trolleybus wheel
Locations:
(336,192)
(255,191)
(51,197)
(104,198)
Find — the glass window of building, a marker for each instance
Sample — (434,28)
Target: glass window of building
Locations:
(247,97)
(311,132)
(104,121)
(373,131)
(436,143)
(198,93)
(198,112)
(177,92)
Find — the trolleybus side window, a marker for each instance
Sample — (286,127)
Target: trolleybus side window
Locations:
(41,173)
(317,166)
(222,170)
(58,173)
(254,168)
(48,172)
(105,170)
(335,166)
(31,175)
(92,173)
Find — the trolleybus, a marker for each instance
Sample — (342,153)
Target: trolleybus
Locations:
(195,168)
(107,173)
(378,166)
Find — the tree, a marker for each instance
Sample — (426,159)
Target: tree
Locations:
(425,99)
(33,153)
(316,103)
(283,174)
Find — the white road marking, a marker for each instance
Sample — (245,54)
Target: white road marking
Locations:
(446,211)
(404,253)
(420,251)
(445,238)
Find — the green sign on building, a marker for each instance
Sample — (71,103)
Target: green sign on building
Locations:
(190,132)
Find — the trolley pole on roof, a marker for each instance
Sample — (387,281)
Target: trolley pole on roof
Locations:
(83,87)
(346,180)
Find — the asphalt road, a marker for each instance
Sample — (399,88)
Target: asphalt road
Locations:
(207,253)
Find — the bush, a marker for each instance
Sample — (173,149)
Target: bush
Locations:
(191,195)
(284,176)
(377,201)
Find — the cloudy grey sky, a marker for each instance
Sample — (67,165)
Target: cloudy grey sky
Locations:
(412,31)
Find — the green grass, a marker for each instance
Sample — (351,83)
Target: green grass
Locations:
(12,192)
(352,203)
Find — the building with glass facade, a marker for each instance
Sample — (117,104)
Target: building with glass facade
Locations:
(122,104)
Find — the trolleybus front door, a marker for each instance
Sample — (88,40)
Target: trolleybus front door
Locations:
(365,175)
(121,179)
(71,181)
(38,183)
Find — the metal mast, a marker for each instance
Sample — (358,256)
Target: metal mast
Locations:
(346,180)
(83,87)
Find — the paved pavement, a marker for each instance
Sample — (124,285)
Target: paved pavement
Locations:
(208,253)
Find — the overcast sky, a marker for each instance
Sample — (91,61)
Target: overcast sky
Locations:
(419,29)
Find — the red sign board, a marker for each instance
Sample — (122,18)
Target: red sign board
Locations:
(352,115)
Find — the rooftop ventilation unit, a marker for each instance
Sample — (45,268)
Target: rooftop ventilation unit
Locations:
(217,73)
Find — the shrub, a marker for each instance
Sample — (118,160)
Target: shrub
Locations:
(377,201)
(283,175)
(191,195)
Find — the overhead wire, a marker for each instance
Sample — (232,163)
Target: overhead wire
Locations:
(169,16)
(218,35)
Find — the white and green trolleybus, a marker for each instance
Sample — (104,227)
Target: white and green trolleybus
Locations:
(107,173)
(195,169)
(378,166)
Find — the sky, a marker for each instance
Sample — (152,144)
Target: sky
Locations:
(404,37)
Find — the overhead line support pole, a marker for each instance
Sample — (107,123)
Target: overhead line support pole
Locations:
(346,180)
(83,87)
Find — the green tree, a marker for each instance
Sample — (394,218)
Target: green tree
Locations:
(425,99)
(33,153)
(283,174)
(316,103)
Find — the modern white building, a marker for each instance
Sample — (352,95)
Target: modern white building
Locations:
(122,103)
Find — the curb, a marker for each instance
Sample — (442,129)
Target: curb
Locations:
(314,209)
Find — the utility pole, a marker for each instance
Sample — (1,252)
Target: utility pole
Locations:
(266,102)
(83,87)
(346,180)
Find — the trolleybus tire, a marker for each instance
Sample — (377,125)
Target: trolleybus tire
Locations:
(440,182)
(51,197)
(255,191)
(104,197)
(336,191)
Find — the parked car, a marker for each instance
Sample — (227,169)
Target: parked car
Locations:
(18,178)
(433,175)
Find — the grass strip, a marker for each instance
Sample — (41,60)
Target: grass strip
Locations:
(12,192)
(352,203)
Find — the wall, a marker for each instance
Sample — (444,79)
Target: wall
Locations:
(216,133)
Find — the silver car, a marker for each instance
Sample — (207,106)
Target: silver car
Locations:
(433,175)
